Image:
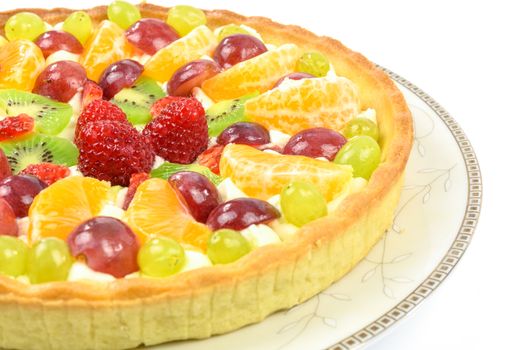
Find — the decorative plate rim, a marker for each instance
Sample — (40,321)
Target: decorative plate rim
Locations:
(457,247)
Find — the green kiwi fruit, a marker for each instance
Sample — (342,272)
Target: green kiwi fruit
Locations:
(51,117)
(137,100)
(167,169)
(38,148)
(224,113)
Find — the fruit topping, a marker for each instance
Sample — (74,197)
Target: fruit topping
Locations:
(361,126)
(24,25)
(98,110)
(315,142)
(313,63)
(294,76)
(151,35)
(237,48)
(113,151)
(61,80)
(47,172)
(191,75)
(245,133)
(179,134)
(80,25)
(225,113)
(123,13)
(157,107)
(13,256)
(3,41)
(107,244)
(362,153)
(5,167)
(119,75)
(49,260)
(91,92)
(161,257)
(136,180)
(237,214)
(211,158)
(22,61)
(200,194)
(230,29)
(13,127)
(226,246)
(19,191)
(185,18)
(54,40)
(167,169)
(302,202)
(8,225)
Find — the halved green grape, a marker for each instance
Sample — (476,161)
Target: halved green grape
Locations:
(302,202)
(361,126)
(362,153)
(49,260)
(24,25)
(225,246)
(80,25)
(161,257)
(231,29)
(313,63)
(13,256)
(123,13)
(185,18)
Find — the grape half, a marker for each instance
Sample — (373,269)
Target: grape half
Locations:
(49,260)
(230,29)
(123,13)
(53,41)
(362,153)
(237,48)
(315,142)
(13,256)
(226,246)
(313,63)
(191,75)
(245,133)
(61,80)
(80,25)
(119,75)
(24,25)
(361,126)
(185,18)
(302,202)
(237,214)
(151,35)
(19,191)
(161,257)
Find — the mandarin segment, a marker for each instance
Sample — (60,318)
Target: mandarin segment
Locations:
(262,175)
(307,103)
(256,74)
(21,62)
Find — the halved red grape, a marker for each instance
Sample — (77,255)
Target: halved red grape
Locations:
(108,245)
(5,167)
(151,34)
(61,80)
(237,48)
(245,133)
(54,40)
(294,76)
(191,75)
(19,191)
(315,142)
(200,194)
(118,76)
(237,214)
(8,224)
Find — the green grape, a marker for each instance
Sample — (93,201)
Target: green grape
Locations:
(123,13)
(13,256)
(49,260)
(185,18)
(161,257)
(362,153)
(225,246)
(301,203)
(79,24)
(361,126)
(231,29)
(24,25)
(313,63)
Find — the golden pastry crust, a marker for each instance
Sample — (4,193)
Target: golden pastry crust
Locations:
(197,304)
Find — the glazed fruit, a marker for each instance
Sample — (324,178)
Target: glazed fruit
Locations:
(22,62)
(167,169)
(185,18)
(302,203)
(294,76)
(19,191)
(8,225)
(361,126)
(191,75)
(108,245)
(237,214)
(362,153)
(244,133)
(226,246)
(161,257)
(237,48)
(91,93)
(5,168)
(13,256)
(47,172)
(210,158)
(54,40)
(200,195)
(123,13)
(225,113)
(315,142)
(80,25)
(61,81)
(230,29)
(98,110)
(151,35)
(119,75)
(14,127)
(49,260)
(159,105)
(313,63)
(24,25)
(136,180)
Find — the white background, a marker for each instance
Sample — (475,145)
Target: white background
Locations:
(469,57)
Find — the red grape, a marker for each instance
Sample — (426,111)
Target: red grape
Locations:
(200,194)
(8,224)
(119,75)
(191,75)
(315,142)
(53,41)
(237,48)
(237,214)
(19,191)
(5,167)
(244,133)
(61,80)
(294,76)
(151,34)
(108,245)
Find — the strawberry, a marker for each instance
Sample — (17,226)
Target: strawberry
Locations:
(136,180)
(211,158)
(5,167)
(47,172)
(160,104)
(12,127)
(91,92)
(96,111)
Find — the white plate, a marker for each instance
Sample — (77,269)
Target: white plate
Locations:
(433,226)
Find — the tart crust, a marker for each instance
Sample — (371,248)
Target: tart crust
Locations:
(197,304)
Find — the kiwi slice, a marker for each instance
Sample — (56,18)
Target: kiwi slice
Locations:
(224,113)
(137,100)
(38,148)
(51,117)
(167,169)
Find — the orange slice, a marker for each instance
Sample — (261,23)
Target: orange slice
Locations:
(105,46)
(200,41)
(3,41)
(262,175)
(21,62)
(61,207)
(302,104)
(159,210)
(259,73)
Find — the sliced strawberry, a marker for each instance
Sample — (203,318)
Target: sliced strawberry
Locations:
(8,225)
(136,180)
(91,92)
(5,167)
(47,172)
(211,158)
(12,127)
(160,104)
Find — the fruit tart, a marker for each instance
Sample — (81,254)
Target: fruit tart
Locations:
(173,173)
